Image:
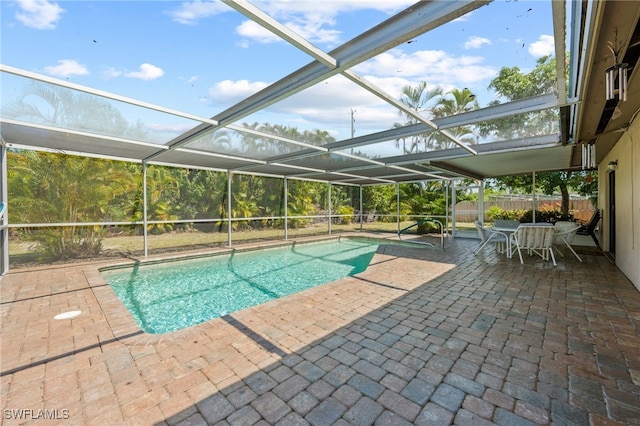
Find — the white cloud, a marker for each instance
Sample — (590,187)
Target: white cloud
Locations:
(436,67)
(231,92)
(146,72)
(311,29)
(67,67)
(313,20)
(252,30)
(328,106)
(476,42)
(190,12)
(328,103)
(111,72)
(330,8)
(333,93)
(39,14)
(172,128)
(320,106)
(543,47)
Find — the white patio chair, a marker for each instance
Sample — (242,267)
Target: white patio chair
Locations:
(488,235)
(535,239)
(565,233)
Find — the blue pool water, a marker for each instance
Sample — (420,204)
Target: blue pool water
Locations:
(164,297)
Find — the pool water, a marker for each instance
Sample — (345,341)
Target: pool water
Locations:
(169,296)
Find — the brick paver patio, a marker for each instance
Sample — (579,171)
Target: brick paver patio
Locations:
(422,337)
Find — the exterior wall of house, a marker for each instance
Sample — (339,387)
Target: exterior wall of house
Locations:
(627,202)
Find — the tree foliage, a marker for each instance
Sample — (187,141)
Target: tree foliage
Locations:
(584,183)
(434,103)
(54,188)
(512,84)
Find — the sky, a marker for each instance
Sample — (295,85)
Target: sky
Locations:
(201,57)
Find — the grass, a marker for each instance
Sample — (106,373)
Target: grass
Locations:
(23,253)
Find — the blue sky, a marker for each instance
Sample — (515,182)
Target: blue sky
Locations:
(202,57)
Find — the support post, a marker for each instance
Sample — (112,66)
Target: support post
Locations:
(453,211)
(286,210)
(361,212)
(534,201)
(145,219)
(446,212)
(329,202)
(481,202)
(398,206)
(229,198)
(4,219)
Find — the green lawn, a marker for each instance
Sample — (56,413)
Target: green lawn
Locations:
(25,252)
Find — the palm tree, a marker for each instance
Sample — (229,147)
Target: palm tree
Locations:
(162,192)
(56,188)
(419,98)
(456,101)
(61,107)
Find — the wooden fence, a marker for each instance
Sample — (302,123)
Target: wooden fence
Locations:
(467,211)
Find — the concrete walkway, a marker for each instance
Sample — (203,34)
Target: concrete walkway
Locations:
(422,337)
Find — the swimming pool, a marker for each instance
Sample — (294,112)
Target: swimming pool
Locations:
(168,296)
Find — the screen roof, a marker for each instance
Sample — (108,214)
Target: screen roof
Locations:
(337,91)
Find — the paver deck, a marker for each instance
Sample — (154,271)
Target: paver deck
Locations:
(421,337)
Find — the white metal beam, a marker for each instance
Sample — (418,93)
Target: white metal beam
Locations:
(413,21)
(282,31)
(587,33)
(559,12)
(404,108)
(96,92)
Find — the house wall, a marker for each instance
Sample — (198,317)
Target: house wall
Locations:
(627,200)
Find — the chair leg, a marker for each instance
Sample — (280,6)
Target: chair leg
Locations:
(552,256)
(572,250)
(519,253)
(484,243)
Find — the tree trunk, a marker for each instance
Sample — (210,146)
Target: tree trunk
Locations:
(564,208)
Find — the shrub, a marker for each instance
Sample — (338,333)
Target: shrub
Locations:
(494,213)
(427,227)
(551,216)
(345,210)
(497,213)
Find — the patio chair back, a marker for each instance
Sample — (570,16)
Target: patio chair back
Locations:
(565,233)
(567,229)
(489,236)
(535,238)
(505,223)
(588,228)
(481,233)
